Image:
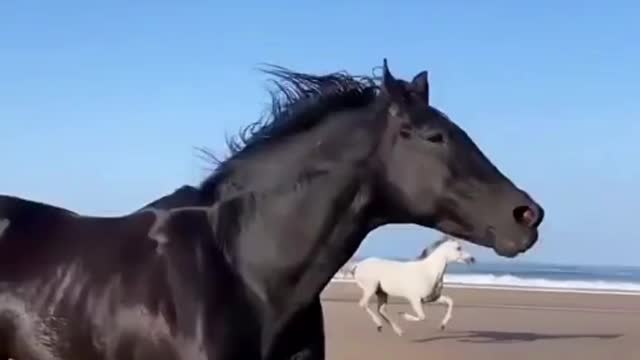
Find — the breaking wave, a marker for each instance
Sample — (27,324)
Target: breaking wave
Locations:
(510,281)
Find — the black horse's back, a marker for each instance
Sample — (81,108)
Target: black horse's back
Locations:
(41,237)
(108,288)
(22,213)
(61,274)
(25,227)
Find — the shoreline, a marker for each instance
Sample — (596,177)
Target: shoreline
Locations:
(585,291)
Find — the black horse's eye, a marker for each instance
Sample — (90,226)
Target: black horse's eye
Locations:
(435,138)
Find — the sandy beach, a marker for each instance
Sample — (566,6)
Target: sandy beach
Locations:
(489,325)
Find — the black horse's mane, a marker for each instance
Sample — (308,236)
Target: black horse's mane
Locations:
(299,102)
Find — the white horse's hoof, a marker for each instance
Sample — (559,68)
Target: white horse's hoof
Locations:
(379,328)
(442,327)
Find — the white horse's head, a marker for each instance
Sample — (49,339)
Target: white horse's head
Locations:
(451,249)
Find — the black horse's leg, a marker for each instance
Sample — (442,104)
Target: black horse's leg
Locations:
(303,338)
(7,332)
(312,345)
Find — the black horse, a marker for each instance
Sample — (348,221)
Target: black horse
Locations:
(339,157)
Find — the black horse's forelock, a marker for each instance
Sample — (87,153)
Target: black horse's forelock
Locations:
(299,101)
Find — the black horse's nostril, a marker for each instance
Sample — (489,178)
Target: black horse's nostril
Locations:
(526,216)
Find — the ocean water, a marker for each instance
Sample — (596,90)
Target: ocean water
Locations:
(542,277)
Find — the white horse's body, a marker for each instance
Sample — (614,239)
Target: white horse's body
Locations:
(418,281)
(403,279)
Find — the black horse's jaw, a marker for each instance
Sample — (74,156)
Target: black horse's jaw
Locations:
(506,252)
(505,248)
(510,249)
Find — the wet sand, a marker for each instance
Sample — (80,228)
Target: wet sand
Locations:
(489,325)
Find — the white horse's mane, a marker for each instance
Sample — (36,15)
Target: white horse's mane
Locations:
(427,251)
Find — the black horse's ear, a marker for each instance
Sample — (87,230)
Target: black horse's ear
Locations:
(391,85)
(420,84)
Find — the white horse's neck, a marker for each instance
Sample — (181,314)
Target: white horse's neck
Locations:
(435,264)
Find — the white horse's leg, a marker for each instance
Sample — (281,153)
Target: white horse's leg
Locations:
(416,304)
(445,300)
(368,291)
(383,298)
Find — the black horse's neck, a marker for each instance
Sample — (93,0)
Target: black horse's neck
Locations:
(313,198)
(320,179)
(289,250)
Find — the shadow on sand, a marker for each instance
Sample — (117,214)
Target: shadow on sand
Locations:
(504,337)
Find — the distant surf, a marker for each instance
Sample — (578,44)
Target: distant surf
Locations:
(538,277)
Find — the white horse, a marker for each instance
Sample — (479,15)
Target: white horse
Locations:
(419,281)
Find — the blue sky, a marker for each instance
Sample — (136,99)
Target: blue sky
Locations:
(102,103)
